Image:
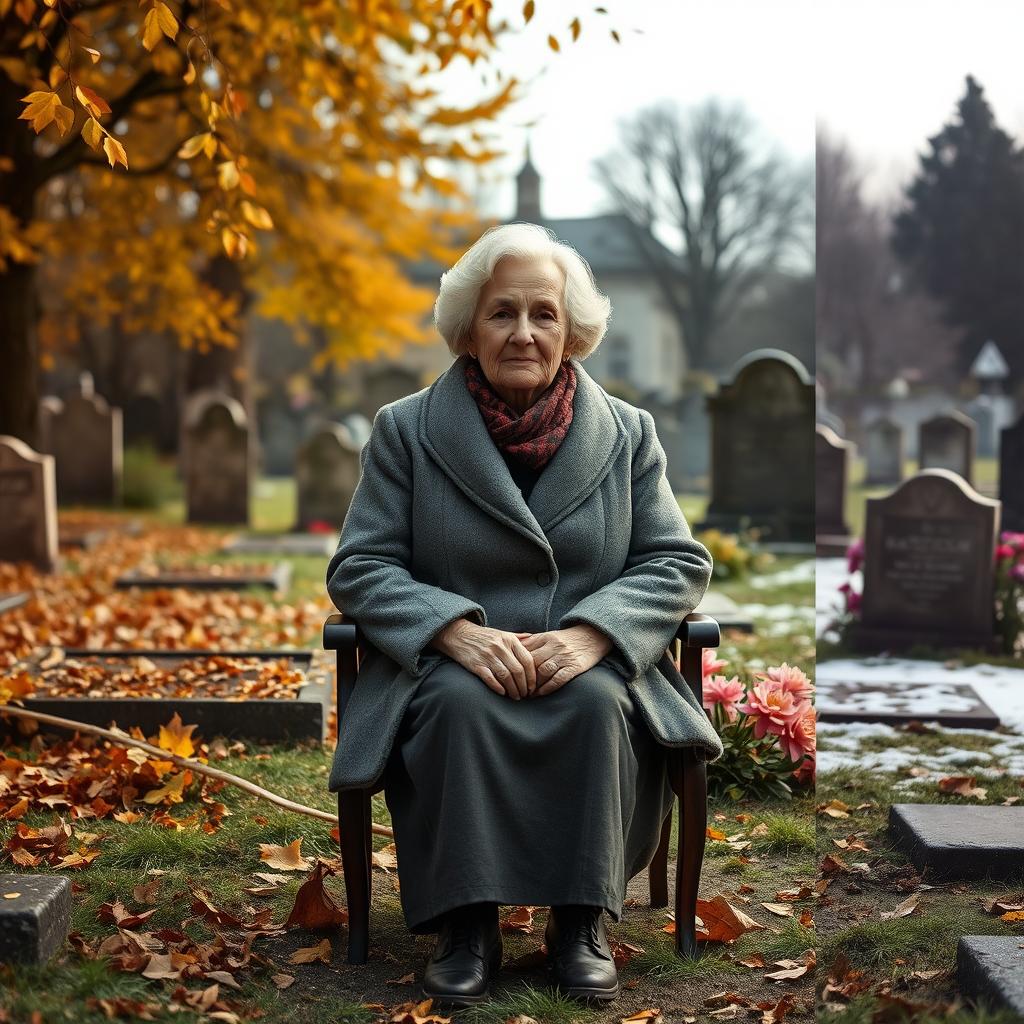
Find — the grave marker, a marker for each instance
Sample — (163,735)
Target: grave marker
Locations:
(217,459)
(947,441)
(884,452)
(326,473)
(831,473)
(928,565)
(953,705)
(28,505)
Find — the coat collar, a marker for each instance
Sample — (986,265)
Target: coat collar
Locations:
(456,437)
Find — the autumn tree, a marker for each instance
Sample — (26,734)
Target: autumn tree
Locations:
(297,140)
(738,210)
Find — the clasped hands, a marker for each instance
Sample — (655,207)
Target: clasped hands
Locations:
(522,665)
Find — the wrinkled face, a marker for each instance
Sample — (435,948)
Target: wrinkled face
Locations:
(520,329)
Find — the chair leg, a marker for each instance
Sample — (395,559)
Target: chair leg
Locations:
(354,825)
(689,780)
(657,871)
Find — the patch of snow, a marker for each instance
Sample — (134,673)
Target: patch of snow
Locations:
(802,572)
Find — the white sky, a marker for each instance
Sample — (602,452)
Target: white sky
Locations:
(895,69)
(739,50)
(883,74)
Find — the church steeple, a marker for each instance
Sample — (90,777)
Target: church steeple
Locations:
(528,191)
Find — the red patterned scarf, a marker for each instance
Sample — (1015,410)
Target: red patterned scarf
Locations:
(534,437)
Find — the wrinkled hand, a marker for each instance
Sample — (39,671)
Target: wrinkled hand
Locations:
(498,658)
(562,654)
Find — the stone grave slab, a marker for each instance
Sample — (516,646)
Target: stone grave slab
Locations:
(1011,476)
(954,705)
(276,578)
(28,505)
(35,923)
(948,441)
(8,602)
(318,545)
(762,438)
(218,459)
(831,473)
(958,841)
(990,970)
(726,612)
(327,470)
(230,712)
(929,548)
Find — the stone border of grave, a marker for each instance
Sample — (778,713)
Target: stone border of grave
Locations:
(990,970)
(269,720)
(8,602)
(278,580)
(982,718)
(88,539)
(985,852)
(34,924)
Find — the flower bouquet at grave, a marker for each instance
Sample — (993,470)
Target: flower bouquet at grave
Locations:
(731,558)
(1009,591)
(851,596)
(767,728)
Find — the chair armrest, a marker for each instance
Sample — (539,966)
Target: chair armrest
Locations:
(339,633)
(699,630)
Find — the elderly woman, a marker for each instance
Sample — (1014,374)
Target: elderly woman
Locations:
(514,541)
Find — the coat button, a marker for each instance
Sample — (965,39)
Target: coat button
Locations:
(543,578)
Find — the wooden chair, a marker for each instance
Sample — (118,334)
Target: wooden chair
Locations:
(688,776)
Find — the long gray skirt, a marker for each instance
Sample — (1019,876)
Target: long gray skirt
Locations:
(542,801)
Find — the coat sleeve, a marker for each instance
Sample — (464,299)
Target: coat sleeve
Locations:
(665,575)
(368,576)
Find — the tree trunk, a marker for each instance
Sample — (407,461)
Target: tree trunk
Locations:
(19,382)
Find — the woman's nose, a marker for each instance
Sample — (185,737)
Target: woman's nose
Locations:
(521,331)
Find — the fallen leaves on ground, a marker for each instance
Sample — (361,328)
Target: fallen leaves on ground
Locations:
(314,907)
(285,858)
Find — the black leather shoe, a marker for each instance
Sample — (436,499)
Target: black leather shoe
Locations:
(578,953)
(467,956)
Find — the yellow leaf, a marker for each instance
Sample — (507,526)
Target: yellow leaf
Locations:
(190,75)
(307,954)
(64,117)
(94,54)
(92,133)
(172,791)
(227,175)
(528,11)
(152,33)
(285,858)
(553,43)
(210,145)
(57,75)
(229,240)
(92,101)
(115,151)
(168,23)
(190,147)
(257,216)
(575,26)
(248,183)
(176,737)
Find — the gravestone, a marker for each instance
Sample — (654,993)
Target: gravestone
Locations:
(1011,476)
(762,437)
(217,459)
(831,473)
(28,505)
(85,437)
(883,450)
(143,420)
(929,548)
(990,970)
(992,409)
(953,705)
(947,441)
(386,384)
(326,473)
(35,915)
(953,841)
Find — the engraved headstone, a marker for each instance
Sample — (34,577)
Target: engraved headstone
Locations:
(1011,476)
(883,450)
(929,549)
(85,437)
(947,441)
(831,472)
(28,505)
(762,433)
(326,473)
(217,459)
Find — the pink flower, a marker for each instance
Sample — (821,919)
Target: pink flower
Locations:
(1017,573)
(798,740)
(1014,540)
(711,664)
(773,709)
(789,678)
(853,599)
(727,692)
(855,555)
(1005,551)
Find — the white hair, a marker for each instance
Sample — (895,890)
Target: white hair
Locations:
(586,308)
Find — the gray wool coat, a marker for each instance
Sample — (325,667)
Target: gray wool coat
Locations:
(437,530)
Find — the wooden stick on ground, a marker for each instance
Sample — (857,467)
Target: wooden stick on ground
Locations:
(184,762)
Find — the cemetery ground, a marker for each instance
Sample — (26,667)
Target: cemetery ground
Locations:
(183,895)
(888,932)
